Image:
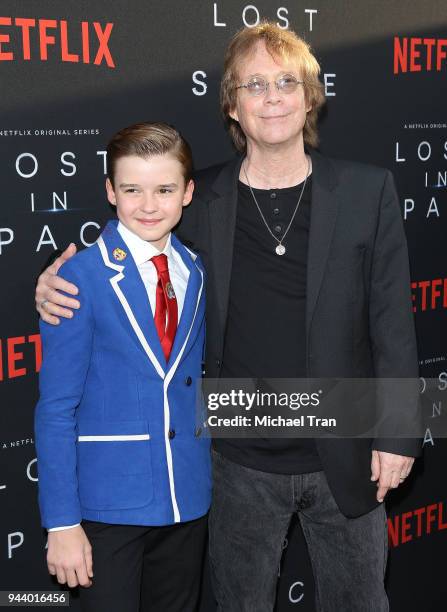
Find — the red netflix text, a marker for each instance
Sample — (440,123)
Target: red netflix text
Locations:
(19,35)
(429,294)
(19,356)
(419,54)
(405,527)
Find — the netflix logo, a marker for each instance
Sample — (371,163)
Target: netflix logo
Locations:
(28,39)
(405,527)
(429,294)
(19,356)
(419,54)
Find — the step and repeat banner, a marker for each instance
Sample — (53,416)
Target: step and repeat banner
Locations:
(73,73)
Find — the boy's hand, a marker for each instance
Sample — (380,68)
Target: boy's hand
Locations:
(49,301)
(69,557)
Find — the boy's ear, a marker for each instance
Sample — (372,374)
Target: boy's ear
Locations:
(188,192)
(110,192)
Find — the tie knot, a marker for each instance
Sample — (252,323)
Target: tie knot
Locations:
(160,262)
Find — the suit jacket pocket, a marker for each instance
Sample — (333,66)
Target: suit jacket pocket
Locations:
(349,259)
(114,464)
(345,273)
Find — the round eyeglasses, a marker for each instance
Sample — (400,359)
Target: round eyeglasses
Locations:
(256,86)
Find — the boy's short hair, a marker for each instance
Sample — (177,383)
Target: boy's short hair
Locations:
(286,46)
(146,140)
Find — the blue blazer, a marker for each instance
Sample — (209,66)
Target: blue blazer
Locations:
(115,425)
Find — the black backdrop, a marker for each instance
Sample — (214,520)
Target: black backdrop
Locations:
(73,73)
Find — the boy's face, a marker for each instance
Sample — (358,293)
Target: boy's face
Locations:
(149,195)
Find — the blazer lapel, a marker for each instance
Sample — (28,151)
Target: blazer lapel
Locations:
(193,299)
(324,208)
(132,296)
(222,212)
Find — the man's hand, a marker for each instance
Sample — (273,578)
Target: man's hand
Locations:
(69,557)
(49,302)
(389,471)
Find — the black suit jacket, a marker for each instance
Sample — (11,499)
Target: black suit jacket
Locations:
(359,320)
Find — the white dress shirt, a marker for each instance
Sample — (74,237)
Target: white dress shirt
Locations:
(142,252)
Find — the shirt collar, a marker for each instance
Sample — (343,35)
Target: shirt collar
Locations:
(140,249)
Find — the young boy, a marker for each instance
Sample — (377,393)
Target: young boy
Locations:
(124,475)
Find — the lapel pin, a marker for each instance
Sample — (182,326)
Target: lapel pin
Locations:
(119,254)
(170,291)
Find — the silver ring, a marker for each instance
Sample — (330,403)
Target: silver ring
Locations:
(42,304)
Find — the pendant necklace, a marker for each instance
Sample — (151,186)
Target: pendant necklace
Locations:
(280,249)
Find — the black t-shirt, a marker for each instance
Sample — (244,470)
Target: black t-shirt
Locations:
(266,326)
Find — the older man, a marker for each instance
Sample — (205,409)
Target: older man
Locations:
(307,276)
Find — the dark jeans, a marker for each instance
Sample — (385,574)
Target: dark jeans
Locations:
(249,519)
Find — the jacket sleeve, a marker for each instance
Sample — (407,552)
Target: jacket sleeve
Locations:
(392,333)
(67,350)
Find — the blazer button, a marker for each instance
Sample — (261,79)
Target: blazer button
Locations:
(218,362)
(171,434)
(198,432)
(188,381)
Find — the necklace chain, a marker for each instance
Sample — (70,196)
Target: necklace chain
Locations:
(280,248)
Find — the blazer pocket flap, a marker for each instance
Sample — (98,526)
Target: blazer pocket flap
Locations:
(346,260)
(114,464)
(97,431)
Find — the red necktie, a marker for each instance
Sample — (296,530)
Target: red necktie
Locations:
(166,312)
